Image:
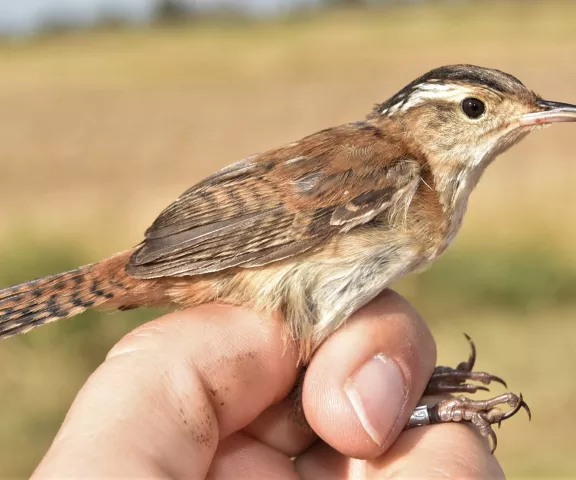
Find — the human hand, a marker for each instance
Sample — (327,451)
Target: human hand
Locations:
(202,393)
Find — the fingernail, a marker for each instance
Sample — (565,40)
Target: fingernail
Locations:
(378,393)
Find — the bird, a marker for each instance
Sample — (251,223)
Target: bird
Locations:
(317,228)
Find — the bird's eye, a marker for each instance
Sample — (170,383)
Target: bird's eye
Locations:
(472,107)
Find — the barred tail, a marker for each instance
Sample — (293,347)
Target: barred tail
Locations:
(28,305)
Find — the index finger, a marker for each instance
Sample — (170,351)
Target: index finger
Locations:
(169,391)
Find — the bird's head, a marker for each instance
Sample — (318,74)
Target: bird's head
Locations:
(462,116)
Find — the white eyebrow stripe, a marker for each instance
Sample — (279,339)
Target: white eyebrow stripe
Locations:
(420,97)
(438,87)
(431,91)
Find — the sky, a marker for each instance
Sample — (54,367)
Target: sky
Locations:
(26,16)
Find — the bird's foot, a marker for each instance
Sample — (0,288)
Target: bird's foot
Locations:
(453,380)
(480,413)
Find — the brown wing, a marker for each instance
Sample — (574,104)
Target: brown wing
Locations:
(277,204)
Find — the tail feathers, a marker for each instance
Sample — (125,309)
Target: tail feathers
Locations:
(28,305)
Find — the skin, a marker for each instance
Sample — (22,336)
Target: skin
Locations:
(196,395)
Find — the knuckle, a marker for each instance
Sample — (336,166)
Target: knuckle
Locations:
(148,337)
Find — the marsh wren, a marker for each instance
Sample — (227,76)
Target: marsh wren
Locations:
(317,228)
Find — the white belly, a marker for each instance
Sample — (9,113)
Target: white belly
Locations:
(344,287)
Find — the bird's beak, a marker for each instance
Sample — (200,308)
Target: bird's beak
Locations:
(550,112)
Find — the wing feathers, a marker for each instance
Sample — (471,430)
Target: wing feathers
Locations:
(364,207)
(156,247)
(270,207)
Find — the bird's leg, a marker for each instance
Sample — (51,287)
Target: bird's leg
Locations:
(295,397)
(480,413)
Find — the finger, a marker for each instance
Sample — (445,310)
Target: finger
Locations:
(366,379)
(451,450)
(281,429)
(440,451)
(168,391)
(240,456)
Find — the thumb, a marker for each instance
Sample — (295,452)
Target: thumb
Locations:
(365,380)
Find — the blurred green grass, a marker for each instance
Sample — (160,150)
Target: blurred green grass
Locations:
(519,280)
(100,130)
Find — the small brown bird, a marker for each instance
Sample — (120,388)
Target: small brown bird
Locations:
(317,228)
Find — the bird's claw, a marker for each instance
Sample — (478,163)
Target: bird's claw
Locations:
(453,380)
(480,413)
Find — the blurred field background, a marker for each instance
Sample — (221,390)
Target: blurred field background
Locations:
(102,128)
